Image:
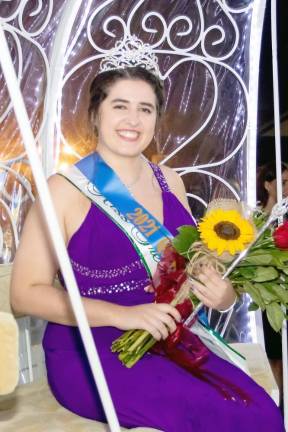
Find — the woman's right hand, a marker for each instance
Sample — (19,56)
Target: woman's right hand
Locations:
(156,318)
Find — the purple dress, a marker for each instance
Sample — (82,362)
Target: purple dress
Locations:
(155,392)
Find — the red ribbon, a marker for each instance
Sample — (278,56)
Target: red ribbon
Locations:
(182,346)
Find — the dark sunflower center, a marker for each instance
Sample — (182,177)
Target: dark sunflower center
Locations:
(227,230)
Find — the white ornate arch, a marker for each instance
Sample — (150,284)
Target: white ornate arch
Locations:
(253,10)
(211,46)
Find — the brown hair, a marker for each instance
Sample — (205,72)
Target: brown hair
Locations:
(101,83)
(266,172)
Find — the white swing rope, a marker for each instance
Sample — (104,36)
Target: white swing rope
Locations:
(55,232)
(279,183)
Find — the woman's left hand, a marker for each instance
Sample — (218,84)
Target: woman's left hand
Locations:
(213,291)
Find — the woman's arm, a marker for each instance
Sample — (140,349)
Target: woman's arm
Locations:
(35,267)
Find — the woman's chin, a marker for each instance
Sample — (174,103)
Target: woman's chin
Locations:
(133,150)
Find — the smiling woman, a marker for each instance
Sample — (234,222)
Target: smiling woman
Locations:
(113,270)
(126,119)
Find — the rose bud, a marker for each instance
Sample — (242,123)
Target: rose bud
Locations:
(280,236)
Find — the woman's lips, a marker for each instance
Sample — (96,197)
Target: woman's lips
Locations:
(128,135)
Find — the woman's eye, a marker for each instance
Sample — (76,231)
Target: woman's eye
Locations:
(146,110)
(119,107)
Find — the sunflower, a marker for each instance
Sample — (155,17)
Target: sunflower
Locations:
(226,231)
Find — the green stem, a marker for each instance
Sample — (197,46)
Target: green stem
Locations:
(139,340)
(134,359)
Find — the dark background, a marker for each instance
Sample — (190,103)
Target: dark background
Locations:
(266,150)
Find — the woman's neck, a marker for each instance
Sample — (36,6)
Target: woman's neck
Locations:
(129,169)
(269,205)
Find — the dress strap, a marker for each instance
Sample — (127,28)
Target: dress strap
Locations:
(160,177)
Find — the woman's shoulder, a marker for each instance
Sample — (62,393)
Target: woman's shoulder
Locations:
(62,191)
(59,184)
(172,178)
(61,188)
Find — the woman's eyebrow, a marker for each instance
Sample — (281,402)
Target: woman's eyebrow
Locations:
(119,100)
(147,104)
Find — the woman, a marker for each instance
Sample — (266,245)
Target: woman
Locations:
(125,108)
(267,198)
(267,185)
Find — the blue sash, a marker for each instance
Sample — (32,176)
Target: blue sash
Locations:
(100,174)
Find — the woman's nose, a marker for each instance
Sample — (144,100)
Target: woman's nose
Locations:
(133,117)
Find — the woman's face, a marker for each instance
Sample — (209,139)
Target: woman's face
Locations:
(126,119)
(271,187)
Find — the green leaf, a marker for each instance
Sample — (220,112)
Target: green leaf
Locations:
(267,293)
(266,256)
(257,259)
(275,316)
(253,307)
(254,293)
(247,272)
(188,234)
(263,274)
(281,292)
(283,253)
(280,257)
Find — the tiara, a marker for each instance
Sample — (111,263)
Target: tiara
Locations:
(130,52)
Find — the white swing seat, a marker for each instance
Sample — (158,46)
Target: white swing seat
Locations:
(33,408)
(259,367)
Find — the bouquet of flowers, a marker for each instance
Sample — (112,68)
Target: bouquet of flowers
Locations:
(236,242)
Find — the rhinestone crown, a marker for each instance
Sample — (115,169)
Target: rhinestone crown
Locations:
(130,52)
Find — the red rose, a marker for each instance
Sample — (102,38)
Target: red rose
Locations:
(281,236)
(169,275)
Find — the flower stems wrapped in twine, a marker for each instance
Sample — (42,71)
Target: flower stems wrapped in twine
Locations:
(133,344)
